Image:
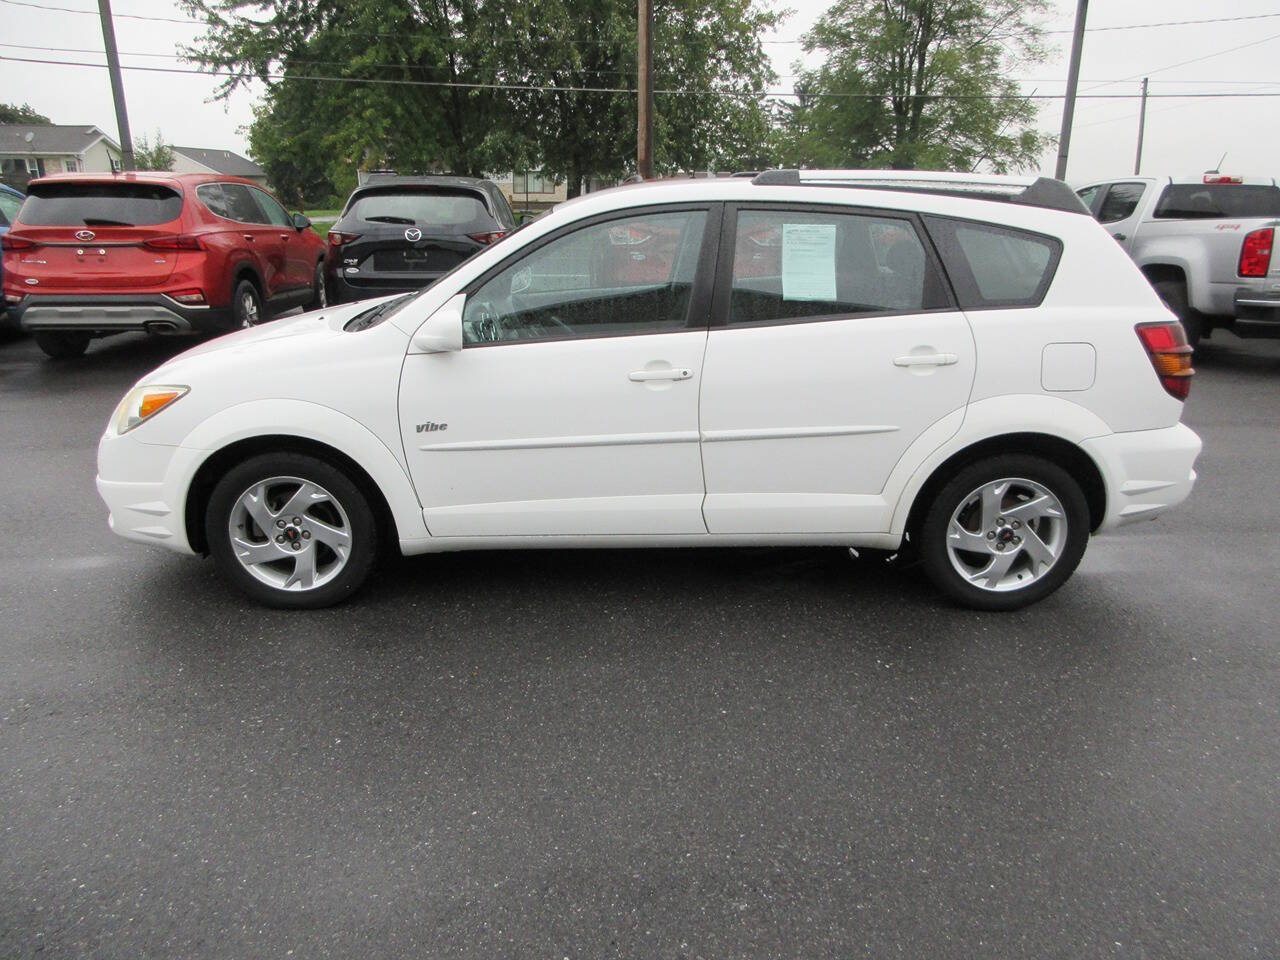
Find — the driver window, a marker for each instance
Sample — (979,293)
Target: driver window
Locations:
(618,278)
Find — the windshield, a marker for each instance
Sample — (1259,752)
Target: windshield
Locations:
(1195,201)
(456,211)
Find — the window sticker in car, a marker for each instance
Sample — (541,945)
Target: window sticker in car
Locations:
(808,261)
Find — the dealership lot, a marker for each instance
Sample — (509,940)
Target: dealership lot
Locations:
(702,754)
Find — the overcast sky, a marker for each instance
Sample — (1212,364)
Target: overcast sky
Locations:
(1183,136)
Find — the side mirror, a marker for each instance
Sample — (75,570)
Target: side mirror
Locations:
(300,222)
(442,331)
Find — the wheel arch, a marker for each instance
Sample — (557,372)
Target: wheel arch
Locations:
(1070,456)
(1161,272)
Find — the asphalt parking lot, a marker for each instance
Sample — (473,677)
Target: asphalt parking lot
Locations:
(757,753)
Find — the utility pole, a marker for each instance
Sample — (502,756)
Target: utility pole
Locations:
(644,89)
(1073,78)
(117,87)
(1142,126)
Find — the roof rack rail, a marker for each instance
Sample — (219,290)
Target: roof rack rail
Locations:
(1043,192)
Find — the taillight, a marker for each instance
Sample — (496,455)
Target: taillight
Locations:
(1166,345)
(10,242)
(488,238)
(1255,252)
(337,238)
(193,296)
(184,242)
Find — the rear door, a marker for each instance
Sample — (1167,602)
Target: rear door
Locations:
(834,344)
(94,236)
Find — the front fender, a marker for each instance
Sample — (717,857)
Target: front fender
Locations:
(309,421)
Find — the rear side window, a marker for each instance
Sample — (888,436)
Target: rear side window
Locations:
(1203,201)
(994,266)
(454,211)
(1120,202)
(100,205)
(231,201)
(9,205)
(791,265)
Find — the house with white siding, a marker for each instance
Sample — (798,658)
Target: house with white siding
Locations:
(28,151)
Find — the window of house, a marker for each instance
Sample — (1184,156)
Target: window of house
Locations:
(522,183)
(621,277)
(791,265)
(72,165)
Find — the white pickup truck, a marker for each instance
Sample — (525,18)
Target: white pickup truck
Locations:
(1205,244)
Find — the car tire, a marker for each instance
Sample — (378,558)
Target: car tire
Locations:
(319,294)
(1004,532)
(247,308)
(291,531)
(62,345)
(1174,295)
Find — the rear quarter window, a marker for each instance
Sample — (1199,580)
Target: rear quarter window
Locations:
(100,205)
(992,266)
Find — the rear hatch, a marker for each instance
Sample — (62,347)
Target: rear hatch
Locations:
(96,236)
(405,237)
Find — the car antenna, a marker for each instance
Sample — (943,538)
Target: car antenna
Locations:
(1218,168)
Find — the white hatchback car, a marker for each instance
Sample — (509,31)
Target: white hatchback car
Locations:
(966,366)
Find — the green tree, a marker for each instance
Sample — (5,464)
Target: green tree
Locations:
(449,85)
(12,113)
(917,84)
(152,154)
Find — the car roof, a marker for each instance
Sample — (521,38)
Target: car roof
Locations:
(380,181)
(143,176)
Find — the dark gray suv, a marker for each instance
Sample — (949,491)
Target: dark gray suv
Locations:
(401,233)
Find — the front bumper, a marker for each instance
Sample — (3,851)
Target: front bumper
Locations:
(144,486)
(117,313)
(1145,471)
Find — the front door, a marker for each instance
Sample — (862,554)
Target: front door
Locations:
(1119,210)
(298,265)
(572,408)
(834,346)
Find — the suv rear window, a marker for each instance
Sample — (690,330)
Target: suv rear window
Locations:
(994,266)
(100,205)
(1203,201)
(458,210)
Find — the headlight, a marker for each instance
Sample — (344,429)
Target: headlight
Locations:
(142,403)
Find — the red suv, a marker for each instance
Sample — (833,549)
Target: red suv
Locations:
(89,256)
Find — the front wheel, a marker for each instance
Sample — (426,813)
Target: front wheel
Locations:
(1005,532)
(291,530)
(319,296)
(60,345)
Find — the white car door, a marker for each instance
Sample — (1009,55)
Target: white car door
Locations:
(572,409)
(834,344)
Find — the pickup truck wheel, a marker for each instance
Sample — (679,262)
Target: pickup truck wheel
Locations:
(61,345)
(291,531)
(1005,532)
(1174,295)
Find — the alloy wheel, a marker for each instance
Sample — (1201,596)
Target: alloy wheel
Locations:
(1006,534)
(290,533)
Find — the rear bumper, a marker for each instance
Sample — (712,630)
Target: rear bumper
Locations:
(1145,471)
(1257,313)
(117,313)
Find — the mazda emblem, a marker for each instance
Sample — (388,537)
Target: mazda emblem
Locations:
(84,236)
(413,234)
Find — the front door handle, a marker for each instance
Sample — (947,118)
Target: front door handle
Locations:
(284,237)
(926,360)
(249,237)
(1120,236)
(675,373)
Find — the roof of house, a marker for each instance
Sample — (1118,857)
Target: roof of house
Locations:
(33,139)
(222,161)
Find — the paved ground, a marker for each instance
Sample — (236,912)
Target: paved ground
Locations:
(663,754)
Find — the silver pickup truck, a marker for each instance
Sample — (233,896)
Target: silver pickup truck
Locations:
(1205,244)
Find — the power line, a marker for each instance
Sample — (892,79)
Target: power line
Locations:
(548,88)
(1172,23)
(1183,63)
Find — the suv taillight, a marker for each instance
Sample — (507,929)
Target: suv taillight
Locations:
(1166,344)
(184,242)
(1255,252)
(488,238)
(10,242)
(337,238)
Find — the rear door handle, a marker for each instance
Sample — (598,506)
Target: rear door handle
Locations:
(249,237)
(284,236)
(926,360)
(644,376)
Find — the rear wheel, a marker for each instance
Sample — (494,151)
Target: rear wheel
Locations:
(246,305)
(1005,532)
(319,296)
(1174,295)
(291,530)
(62,345)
